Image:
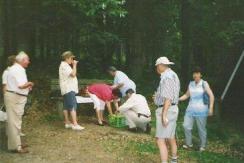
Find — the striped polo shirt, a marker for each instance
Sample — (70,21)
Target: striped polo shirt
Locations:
(169,88)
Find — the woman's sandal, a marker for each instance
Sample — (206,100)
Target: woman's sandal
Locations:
(105,122)
(99,124)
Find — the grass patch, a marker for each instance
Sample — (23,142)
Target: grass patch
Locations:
(51,118)
(145,147)
(149,148)
(206,157)
(142,148)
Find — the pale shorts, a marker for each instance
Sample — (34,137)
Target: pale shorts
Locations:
(168,131)
(98,103)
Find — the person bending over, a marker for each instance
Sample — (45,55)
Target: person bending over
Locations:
(101,95)
(121,81)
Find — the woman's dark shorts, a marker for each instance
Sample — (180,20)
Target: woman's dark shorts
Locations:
(70,102)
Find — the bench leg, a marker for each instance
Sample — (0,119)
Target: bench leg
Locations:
(60,109)
(3,136)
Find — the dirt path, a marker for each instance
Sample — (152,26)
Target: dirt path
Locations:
(51,143)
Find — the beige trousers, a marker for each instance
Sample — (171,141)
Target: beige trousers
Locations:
(15,109)
(133,120)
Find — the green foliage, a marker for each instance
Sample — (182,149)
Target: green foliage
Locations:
(145,148)
(234,32)
(127,34)
(206,157)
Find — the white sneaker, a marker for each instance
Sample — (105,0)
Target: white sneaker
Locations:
(187,146)
(202,149)
(77,127)
(174,159)
(68,125)
(22,134)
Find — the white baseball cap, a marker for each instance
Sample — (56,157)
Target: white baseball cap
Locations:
(163,60)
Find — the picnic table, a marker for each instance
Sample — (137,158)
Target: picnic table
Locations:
(55,94)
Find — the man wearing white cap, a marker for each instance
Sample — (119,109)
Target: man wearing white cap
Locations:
(166,99)
(17,89)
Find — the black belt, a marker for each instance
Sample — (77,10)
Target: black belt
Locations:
(144,115)
(17,93)
(163,105)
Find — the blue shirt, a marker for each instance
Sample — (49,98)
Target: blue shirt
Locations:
(196,106)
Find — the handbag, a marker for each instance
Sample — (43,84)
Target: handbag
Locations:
(205,95)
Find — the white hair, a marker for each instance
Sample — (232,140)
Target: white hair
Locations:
(22,55)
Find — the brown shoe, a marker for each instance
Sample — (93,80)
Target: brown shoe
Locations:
(105,122)
(148,129)
(22,151)
(24,145)
(134,129)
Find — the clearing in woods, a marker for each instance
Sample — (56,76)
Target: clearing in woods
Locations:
(50,143)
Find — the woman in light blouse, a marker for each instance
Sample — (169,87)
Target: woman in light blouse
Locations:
(197,110)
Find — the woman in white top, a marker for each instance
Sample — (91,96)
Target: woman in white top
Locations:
(198,109)
(69,88)
(10,62)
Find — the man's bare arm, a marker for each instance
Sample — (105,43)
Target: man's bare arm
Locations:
(26,85)
(185,96)
(117,86)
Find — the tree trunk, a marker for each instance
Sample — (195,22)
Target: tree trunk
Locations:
(1,34)
(42,44)
(9,28)
(186,56)
(136,38)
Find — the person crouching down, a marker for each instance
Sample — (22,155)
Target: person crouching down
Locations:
(136,112)
(69,87)
(101,95)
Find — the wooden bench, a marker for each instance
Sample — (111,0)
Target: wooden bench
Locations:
(3,137)
(55,94)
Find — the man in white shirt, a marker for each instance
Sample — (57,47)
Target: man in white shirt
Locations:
(11,61)
(69,88)
(15,98)
(136,112)
(121,81)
